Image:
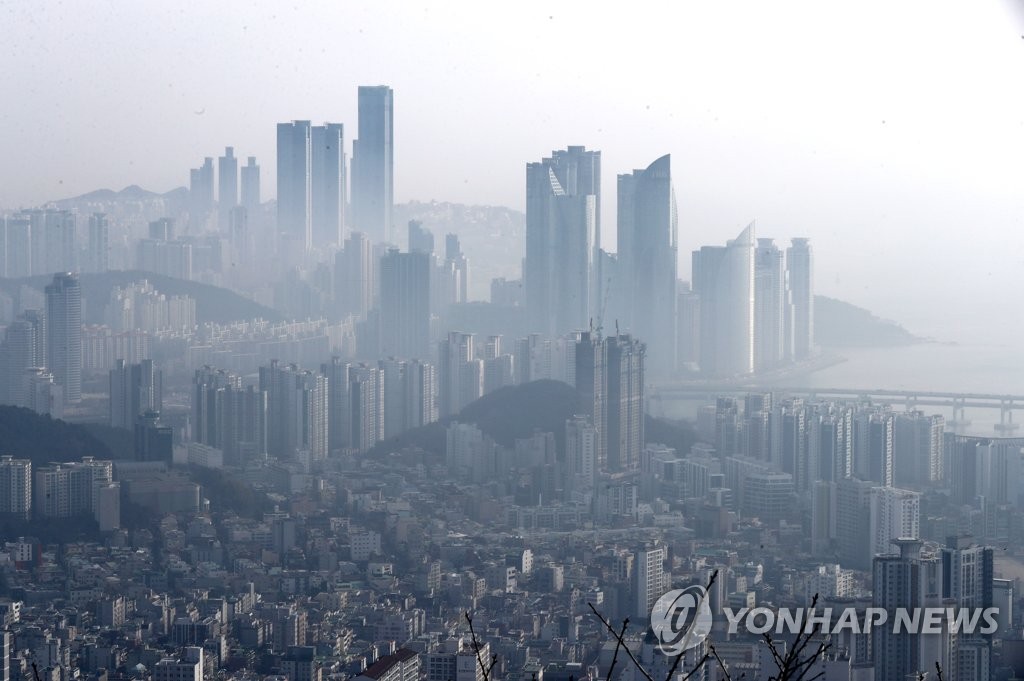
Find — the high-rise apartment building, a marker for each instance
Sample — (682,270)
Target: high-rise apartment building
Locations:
(910,579)
(373,158)
(460,373)
(723,277)
(229,417)
(99,243)
(298,412)
(773,307)
(648,240)
(405,304)
(16,487)
(650,580)
(624,417)
(200,195)
(562,198)
(354,274)
(327,194)
(800,270)
(250,187)
(294,167)
(134,390)
(227,188)
(64,334)
(70,489)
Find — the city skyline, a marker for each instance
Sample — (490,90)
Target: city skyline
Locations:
(872,165)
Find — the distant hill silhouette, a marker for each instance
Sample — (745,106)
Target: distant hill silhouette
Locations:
(213,304)
(841,324)
(517,412)
(25,434)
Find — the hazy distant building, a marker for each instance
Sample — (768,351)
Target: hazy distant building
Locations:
(895,514)
(154,441)
(648,239)
(460,373)
(624,418)
(18,246)
(562,198)
(723,277)
(227,188)
(134,390)
(229,417)
(354,275)
(421,239)
(250,187)
(298,412)
(800,270)
(591,383)
(373,164)
(917,451)
(773,314)
(17,354)
(294,188)
(98,254)
(873,440)
(366,399)
(458,264)
(64,334)
(327,195)
(405,304)
(200,195)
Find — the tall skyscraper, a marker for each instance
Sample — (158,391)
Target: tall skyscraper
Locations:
(294,188)
(250,187)
(561,234)
(64,334)
(19,246)
(227,187)
(200,195)
(339,408)
(723,277)
(458,264)
(591,382)
(60,241)
(405,305)
(800,267)
(373,164)
(648,238)
(909,580)
(772,307)
(327,195)
(134,390)
(624,420)
(99,243)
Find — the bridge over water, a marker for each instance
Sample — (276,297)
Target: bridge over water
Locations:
(958,403)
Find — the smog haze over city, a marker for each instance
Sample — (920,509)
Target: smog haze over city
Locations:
(539,341)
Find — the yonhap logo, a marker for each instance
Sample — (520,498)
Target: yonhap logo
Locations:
(681,619)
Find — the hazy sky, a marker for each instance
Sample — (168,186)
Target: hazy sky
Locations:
(891,133)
